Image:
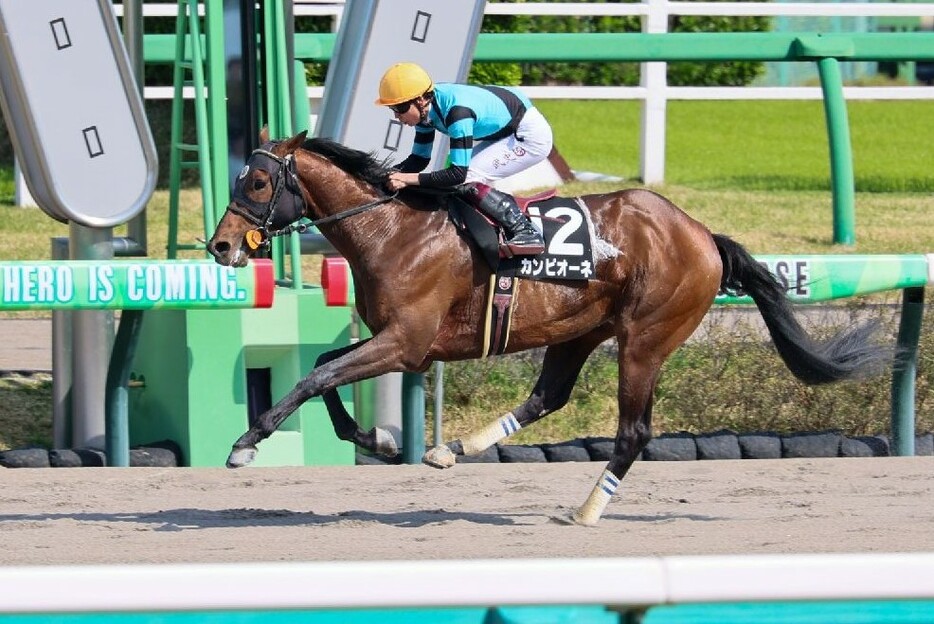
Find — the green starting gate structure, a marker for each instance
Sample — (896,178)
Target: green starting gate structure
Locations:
(202,376)
(218,344)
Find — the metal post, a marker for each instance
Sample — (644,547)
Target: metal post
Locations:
(906,367)
(216,80)
(92,338)
(118,377)
(387,396)
(206,157)
(61,363)
(413,417)
(278,72)
(133,40)
(841,153)
(241,125)
(300,117)
(439,402)
(133,37)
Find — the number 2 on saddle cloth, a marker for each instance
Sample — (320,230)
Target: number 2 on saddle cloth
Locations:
(568,254)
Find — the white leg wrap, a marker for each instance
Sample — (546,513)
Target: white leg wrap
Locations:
(491,434)
(593,507)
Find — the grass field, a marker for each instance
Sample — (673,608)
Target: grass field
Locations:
(757,171)
(753,145)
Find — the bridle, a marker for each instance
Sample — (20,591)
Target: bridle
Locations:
(268,219)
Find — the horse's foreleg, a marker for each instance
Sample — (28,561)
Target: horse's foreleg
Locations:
(560,368)
(332,369)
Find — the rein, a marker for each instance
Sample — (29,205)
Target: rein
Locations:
(340,216)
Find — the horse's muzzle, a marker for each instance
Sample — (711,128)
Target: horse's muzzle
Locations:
(226,254)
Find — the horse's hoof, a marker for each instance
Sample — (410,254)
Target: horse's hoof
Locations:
(240,457)
(571,519)
(439,457)
(385,443)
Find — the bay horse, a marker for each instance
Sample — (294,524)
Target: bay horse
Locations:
(421,289)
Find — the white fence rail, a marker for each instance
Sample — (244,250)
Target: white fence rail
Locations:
(623,583)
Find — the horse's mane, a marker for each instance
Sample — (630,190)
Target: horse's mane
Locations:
(362,165)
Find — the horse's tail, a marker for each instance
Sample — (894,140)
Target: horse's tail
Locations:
(851,354)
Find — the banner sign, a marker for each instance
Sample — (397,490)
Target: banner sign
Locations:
(134,285)
(812,278)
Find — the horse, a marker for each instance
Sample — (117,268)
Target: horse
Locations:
(421,289)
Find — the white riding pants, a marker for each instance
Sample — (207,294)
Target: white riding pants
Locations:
(495,160)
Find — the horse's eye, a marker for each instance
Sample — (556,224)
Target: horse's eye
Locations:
(258,183)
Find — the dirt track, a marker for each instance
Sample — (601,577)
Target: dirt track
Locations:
(110,515)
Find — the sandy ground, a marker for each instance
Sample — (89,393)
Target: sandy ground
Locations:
(27,344)
(136,515)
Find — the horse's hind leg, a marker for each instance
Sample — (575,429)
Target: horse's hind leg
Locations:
(560,368)
(376,440)
(631,437)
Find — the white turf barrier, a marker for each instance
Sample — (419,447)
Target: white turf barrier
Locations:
(617,582)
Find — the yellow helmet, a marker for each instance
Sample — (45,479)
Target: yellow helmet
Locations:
(403,82)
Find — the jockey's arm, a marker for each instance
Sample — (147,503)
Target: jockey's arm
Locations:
(413,164)
(406,172)
(461,146)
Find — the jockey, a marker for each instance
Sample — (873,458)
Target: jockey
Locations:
(494,132)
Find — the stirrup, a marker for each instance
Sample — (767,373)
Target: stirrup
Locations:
(525,245)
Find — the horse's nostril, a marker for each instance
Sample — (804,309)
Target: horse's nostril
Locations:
(221,247)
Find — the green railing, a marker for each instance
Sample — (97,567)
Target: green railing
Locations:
(638,47)
(816,278)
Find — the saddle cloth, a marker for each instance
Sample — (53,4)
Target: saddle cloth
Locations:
(568,255)
(566,227)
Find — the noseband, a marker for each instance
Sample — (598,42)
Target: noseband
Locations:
(269,223)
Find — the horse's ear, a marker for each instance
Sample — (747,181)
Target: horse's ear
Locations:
(264,135)
(295,142)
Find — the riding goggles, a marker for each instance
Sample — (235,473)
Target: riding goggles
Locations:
(402,108)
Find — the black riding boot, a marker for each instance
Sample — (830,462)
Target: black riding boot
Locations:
(522,238)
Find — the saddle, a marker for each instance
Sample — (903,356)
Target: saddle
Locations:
(486,233)
(568,254)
